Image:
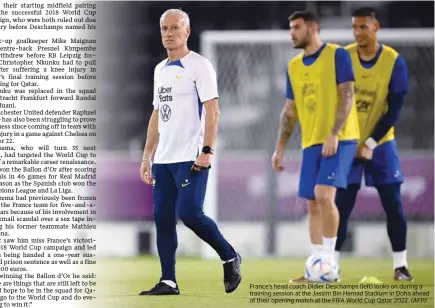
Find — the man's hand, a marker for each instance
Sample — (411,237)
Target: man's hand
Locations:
(365,153)
(277,161)
(146,172)
(330,146)
(150,148)
(203,160)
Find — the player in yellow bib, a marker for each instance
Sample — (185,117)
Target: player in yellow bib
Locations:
(381,83)
(320,94)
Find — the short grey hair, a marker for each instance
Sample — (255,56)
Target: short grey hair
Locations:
(179,12)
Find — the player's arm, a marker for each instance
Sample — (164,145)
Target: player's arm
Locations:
(150,147)
(152,135)
(345,84)
(345,88)
(288,117)
(398,88)
(206,87)
(287,122)
(151,142)
(153,125)
(211,122)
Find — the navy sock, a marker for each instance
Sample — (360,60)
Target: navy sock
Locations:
(391,200)
(345,201)
(206,229)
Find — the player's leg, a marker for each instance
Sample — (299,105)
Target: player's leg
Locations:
(345,201)
(192,189)
(325,197)
(391,201)
(309,168)
(308,175)
(164,199)
(385,173)
(334,172)
(315,227)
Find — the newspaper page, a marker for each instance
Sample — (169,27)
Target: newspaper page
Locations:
(48,153)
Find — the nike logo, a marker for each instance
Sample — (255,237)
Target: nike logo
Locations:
(330,177)
(185,184)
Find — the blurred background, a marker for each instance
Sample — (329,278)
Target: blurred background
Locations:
(258,211)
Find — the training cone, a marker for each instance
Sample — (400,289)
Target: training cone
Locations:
(370,280)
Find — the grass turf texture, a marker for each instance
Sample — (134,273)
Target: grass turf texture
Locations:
(201,283)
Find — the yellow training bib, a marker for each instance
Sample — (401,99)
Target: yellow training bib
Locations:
(371,90)
(316,98)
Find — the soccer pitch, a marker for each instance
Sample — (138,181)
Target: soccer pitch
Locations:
(201,284)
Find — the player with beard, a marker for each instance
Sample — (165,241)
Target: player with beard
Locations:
(320,94)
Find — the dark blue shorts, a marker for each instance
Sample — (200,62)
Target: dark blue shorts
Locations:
(176,191)
(331,171)
(384,168)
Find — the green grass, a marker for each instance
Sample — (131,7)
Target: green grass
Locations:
(201,286)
